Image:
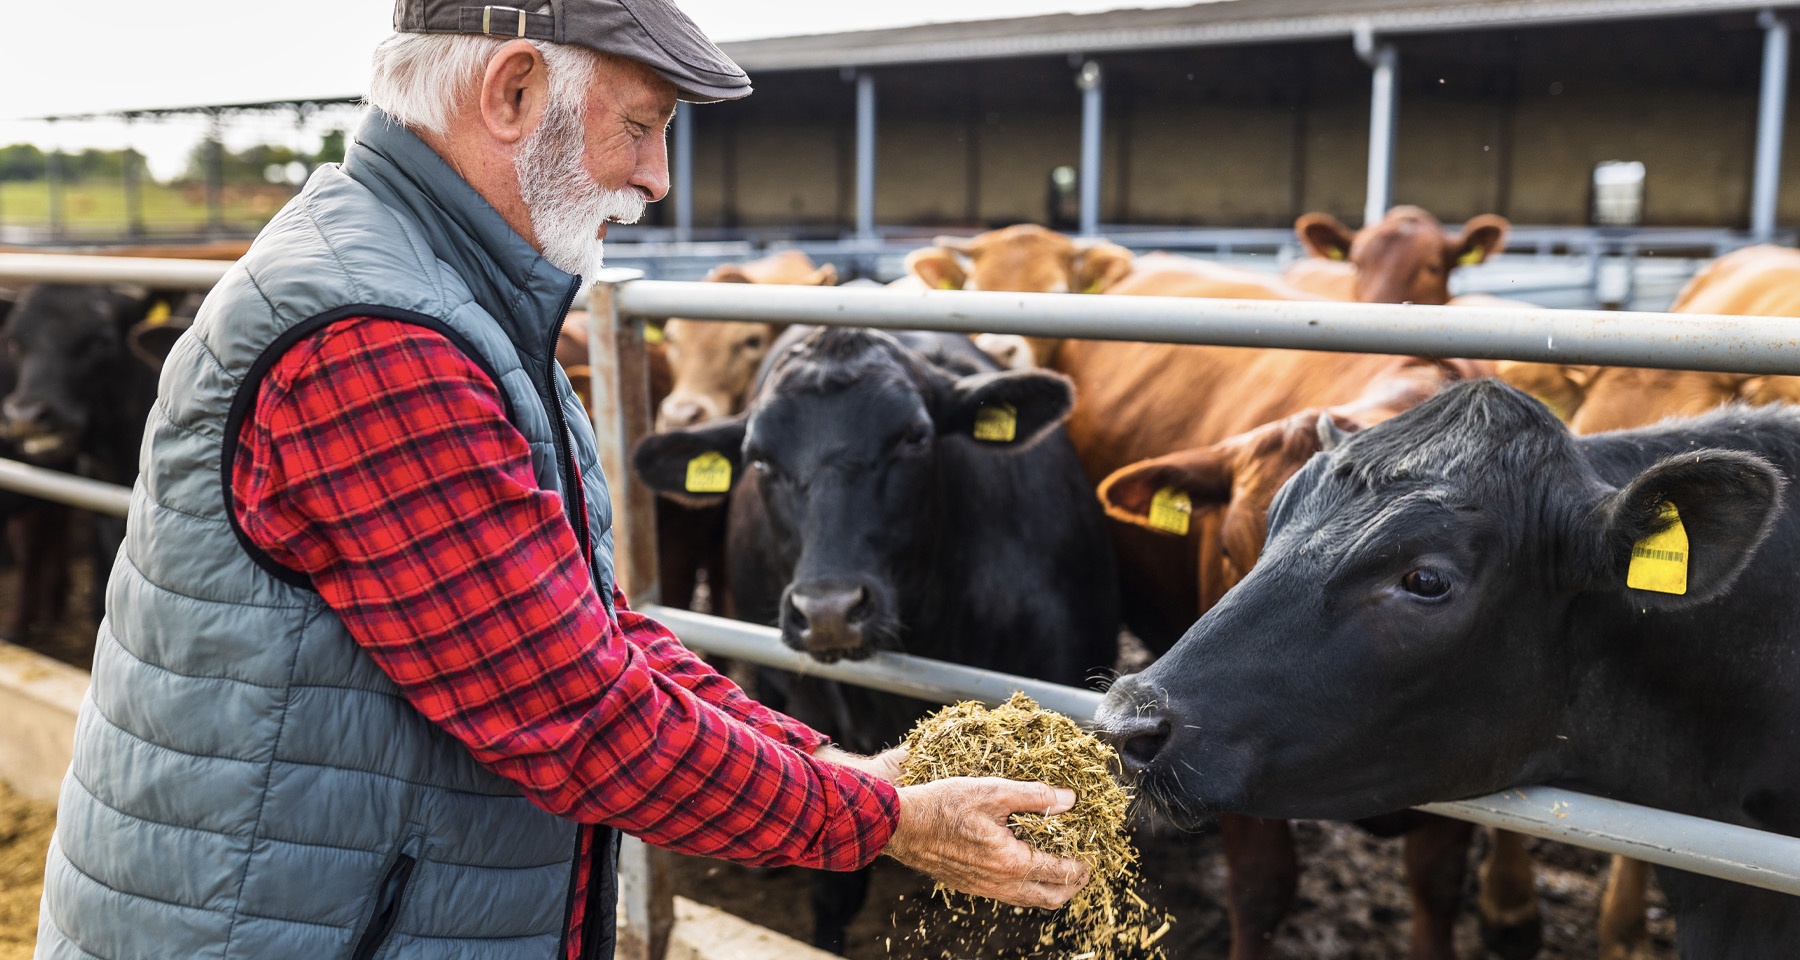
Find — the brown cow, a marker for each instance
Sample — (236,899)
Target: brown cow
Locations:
(713,362)
(1140,400)
(1406,258)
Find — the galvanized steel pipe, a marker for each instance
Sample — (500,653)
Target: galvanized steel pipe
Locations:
(147,271)
(1092,84)
(108,498)
(1673,341)
(1722,850)
(865,155)
(1771,109)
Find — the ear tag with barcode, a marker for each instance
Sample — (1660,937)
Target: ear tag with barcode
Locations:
(1170,511)
(709,472)
(1659,562)
(996,422)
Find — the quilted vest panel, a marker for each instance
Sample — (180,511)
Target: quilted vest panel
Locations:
(246,782)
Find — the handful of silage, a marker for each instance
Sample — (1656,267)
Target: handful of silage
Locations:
(1020,740)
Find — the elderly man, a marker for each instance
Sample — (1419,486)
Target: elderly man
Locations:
(366,687)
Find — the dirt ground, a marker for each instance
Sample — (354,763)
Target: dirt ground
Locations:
(24,837)
(1352,903)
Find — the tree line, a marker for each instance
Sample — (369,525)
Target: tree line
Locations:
(25,161)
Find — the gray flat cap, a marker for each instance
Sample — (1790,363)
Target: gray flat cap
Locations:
(653,32)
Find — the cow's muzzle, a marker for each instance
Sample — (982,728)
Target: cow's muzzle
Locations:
(828,619)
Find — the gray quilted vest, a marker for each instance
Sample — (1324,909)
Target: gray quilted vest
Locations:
(247,783)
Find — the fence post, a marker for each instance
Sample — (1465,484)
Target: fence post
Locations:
(620,407)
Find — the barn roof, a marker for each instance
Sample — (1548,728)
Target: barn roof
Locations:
(1204,24)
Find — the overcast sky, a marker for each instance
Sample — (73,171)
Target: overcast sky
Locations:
(125,54)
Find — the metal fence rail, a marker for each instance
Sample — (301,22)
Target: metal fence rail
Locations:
(1677,840)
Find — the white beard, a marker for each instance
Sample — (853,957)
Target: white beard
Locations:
(566,206)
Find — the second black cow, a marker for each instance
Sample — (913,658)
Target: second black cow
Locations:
(899,492)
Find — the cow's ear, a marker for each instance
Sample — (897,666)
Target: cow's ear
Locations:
(1481,238)
(1099,266)
(1681,532)
(151,338)
(1559,386)
(939,267)
(728,273)
(694,467)
(1163,493)
(825,276)
(1008,408)
(1323,235)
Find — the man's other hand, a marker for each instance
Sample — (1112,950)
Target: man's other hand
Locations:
(954,830)
(885,764)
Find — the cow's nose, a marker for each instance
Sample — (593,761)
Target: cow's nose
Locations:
(1139,739)
(676,414)
(27,413)
(830,618)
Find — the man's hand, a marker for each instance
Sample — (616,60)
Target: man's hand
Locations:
(885,764)
(954,830)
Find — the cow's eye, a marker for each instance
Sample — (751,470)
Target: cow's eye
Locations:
(1425,582)
(762,466)
(752,343)
(914,440)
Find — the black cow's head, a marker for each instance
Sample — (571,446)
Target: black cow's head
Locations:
(68,345)
(1404,636)
(847,444)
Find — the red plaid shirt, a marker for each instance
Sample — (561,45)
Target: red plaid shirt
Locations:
(379,462)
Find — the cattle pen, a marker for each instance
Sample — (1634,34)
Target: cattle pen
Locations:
(622,302)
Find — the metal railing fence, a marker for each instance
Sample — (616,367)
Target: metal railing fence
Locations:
(621,409)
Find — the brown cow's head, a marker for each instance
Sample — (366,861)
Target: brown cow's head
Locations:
(715,362)
(1226,489)
(1025,258)
(1407,257)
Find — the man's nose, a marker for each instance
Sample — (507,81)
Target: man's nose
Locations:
(652,173)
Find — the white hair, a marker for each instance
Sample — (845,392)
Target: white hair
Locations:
(419,77)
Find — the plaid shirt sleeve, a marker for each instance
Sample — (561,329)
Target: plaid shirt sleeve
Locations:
(669,658)
(380,463)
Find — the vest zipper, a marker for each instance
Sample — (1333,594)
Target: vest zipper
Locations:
(387,908)
(565,462)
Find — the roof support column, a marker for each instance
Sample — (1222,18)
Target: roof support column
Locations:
(215,174)
(1771,112)
(53,173)
(1384,109)
(131,169)
(683,164)
(865,155)
(1093,108)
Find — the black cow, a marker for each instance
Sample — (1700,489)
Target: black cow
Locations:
(1445,609)
(85,359)
(904,494)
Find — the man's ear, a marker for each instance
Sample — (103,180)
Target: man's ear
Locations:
(1100,265)
(1725,503)
(939,267)
(695,467)
(1160,494)
(1481,238)
(1323,235)
(1008,408)
(515,87)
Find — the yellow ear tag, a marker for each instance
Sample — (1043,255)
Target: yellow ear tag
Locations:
(1659,562)
(1335,253)
(1093,287)
(945,284)
(653,333)
(1170,511)
(158,315)
(997,423)
(1555,408)
(1472,257)
(709,472)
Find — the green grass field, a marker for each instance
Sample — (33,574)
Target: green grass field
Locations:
(91,206)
